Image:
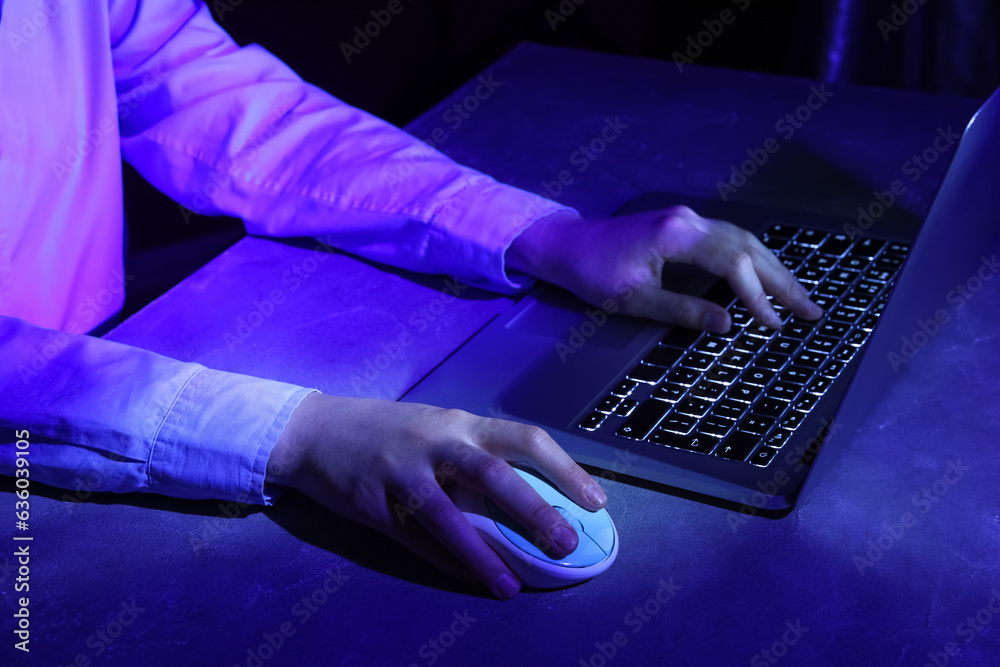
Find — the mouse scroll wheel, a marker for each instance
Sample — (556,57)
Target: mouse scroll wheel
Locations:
(572,520)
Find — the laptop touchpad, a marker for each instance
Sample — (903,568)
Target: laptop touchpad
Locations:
(575,323)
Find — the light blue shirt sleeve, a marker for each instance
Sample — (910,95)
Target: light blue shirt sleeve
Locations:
(103,416)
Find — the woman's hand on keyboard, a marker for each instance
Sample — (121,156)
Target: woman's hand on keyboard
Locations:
(386,464)
(617,263)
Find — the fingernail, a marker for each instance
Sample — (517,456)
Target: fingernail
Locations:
(595,494)
(715,322)
(507,586)
(565,537)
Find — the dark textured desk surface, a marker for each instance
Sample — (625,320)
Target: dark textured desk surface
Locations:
(893,556)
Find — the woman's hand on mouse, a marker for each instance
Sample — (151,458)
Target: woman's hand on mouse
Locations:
(621,260)
(383,464)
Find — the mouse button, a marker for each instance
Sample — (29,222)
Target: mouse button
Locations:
(586,553)
(511,529)
(600,529)
(571,518)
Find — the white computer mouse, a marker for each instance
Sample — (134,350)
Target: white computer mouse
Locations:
(596,551)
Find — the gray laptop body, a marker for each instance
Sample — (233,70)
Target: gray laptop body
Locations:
(545,361)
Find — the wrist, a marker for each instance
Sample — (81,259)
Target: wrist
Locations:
(284,465)
(539,248)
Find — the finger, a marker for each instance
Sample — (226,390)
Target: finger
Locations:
(493,477)
(512,441)
(395,519)
(413,536)
(725,255)
(779,281)
(742,277)
(680,309)
(446,523)
(750,268)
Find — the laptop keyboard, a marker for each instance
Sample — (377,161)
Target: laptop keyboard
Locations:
(741,395)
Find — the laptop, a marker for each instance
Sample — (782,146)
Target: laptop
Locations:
(751,417)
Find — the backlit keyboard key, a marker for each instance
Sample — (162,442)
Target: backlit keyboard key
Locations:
(626,407)
(778,439)
(784,391)
(708,391)
(643,420)
(756,424)
(697,361)
(711,345)
(763,456)
(724,375)
(836,245)
(729,409)
(716,427)
(684,376)
(608,405)
(695,442)
(770,407)
(744,392)
(681,424)
(663,356)
(593,421)
(694,407)
(646,373)
(737,447)
(797,374)
(771,361)
(670,392)
(624,388)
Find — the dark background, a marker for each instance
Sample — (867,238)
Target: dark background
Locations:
(432,46)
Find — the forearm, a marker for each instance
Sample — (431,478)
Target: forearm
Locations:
(233,130)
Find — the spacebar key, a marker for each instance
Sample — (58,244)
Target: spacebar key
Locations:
(644,419)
